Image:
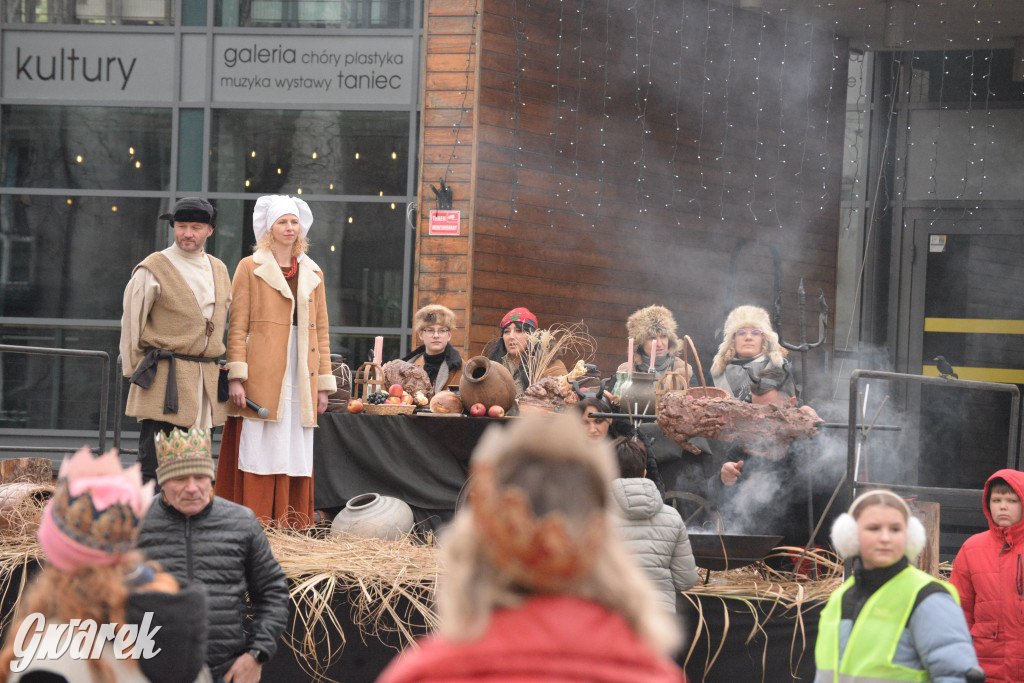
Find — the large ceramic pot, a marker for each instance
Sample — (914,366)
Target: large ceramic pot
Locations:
(372,515)
(488,382)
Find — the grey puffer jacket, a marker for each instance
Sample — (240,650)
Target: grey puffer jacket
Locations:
(656,536)
(224,548)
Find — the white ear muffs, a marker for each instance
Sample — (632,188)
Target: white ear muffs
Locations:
(847,544)
(915,538)
(844,536)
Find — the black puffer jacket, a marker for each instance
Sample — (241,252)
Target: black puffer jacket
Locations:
(224,549)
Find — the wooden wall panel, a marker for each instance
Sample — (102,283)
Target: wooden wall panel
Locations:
(624,156)
(443,270)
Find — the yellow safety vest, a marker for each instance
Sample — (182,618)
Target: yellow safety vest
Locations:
(876,632)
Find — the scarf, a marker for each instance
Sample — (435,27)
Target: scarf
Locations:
(449,360)
(662,364)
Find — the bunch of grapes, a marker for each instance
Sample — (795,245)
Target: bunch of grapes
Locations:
(377,398)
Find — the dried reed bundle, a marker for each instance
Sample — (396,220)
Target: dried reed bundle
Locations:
(762,596)
(19,547)
(389,586)
(548,345)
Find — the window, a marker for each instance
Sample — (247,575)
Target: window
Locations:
(315,13)
(124,12)
(94,148)
(311,152)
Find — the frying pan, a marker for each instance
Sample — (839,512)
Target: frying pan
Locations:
(730,551)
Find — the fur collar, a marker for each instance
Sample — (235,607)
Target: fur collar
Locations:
(268,271)
(451,356)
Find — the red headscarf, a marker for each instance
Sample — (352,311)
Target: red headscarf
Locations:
(519,315)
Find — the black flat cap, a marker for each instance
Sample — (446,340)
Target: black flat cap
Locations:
(191,210)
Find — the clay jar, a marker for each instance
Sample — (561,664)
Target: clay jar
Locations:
(371,515)
(488,382)
(639,398)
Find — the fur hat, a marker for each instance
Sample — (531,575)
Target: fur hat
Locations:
(432,314)
(844,529)
(95,513)
(747,316)
(647,323)
(543,551)
(182,453)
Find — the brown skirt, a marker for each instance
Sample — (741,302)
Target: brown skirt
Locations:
(277,499)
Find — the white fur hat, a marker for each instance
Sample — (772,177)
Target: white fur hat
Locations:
(844,529)
(747,316)
(272,206)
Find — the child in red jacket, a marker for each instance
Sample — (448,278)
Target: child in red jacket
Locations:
(989,574)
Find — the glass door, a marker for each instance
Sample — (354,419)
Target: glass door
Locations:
(966,306)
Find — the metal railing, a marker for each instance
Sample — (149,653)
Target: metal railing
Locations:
(104,389)
(1012,449)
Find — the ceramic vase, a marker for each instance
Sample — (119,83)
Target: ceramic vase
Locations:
(371,515)
(488,382)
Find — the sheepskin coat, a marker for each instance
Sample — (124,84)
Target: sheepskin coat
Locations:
(259,334)
(656,537)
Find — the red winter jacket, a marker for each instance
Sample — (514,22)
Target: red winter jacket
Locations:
(554,638)
(989,574)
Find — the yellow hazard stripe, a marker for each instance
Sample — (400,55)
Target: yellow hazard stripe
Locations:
(1006,375)
(974,325)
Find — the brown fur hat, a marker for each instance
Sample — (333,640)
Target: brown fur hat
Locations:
(747,316)
(432,314)
(648,323)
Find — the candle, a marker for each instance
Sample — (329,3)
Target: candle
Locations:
(629,358)
(654,353)
(378,349)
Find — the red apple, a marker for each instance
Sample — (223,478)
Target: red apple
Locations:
(393,400)
(355,406)
(396,390)
(478,410)
(406,399)
(496,411)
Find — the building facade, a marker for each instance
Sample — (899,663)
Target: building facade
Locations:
(109,111)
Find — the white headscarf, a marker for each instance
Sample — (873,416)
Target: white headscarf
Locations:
(271,207)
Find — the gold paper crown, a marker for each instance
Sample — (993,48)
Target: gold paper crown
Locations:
(115,528)
(181,453)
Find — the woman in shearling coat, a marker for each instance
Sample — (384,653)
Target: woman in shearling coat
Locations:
(279,358)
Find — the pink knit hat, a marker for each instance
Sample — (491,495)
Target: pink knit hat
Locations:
(95,513)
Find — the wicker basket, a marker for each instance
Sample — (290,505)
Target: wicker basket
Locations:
(388,409)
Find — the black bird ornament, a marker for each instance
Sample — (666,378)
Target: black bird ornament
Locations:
(944,368)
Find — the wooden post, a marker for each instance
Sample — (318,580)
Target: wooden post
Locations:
(928,513)
(33,470)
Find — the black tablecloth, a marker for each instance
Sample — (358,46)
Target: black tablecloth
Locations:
(781,641)
(778,647)
(421,459)
(772,655)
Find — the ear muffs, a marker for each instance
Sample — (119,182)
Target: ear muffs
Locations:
(915,539)
(847,544)
(844,536)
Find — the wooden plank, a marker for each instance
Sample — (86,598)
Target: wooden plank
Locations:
(435,8)
(443,264)
(928,513)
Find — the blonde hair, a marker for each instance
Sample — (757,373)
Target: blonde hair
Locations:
(266,243)
(561,473)
(879,497)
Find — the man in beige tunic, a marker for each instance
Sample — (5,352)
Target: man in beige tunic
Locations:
(172,332)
